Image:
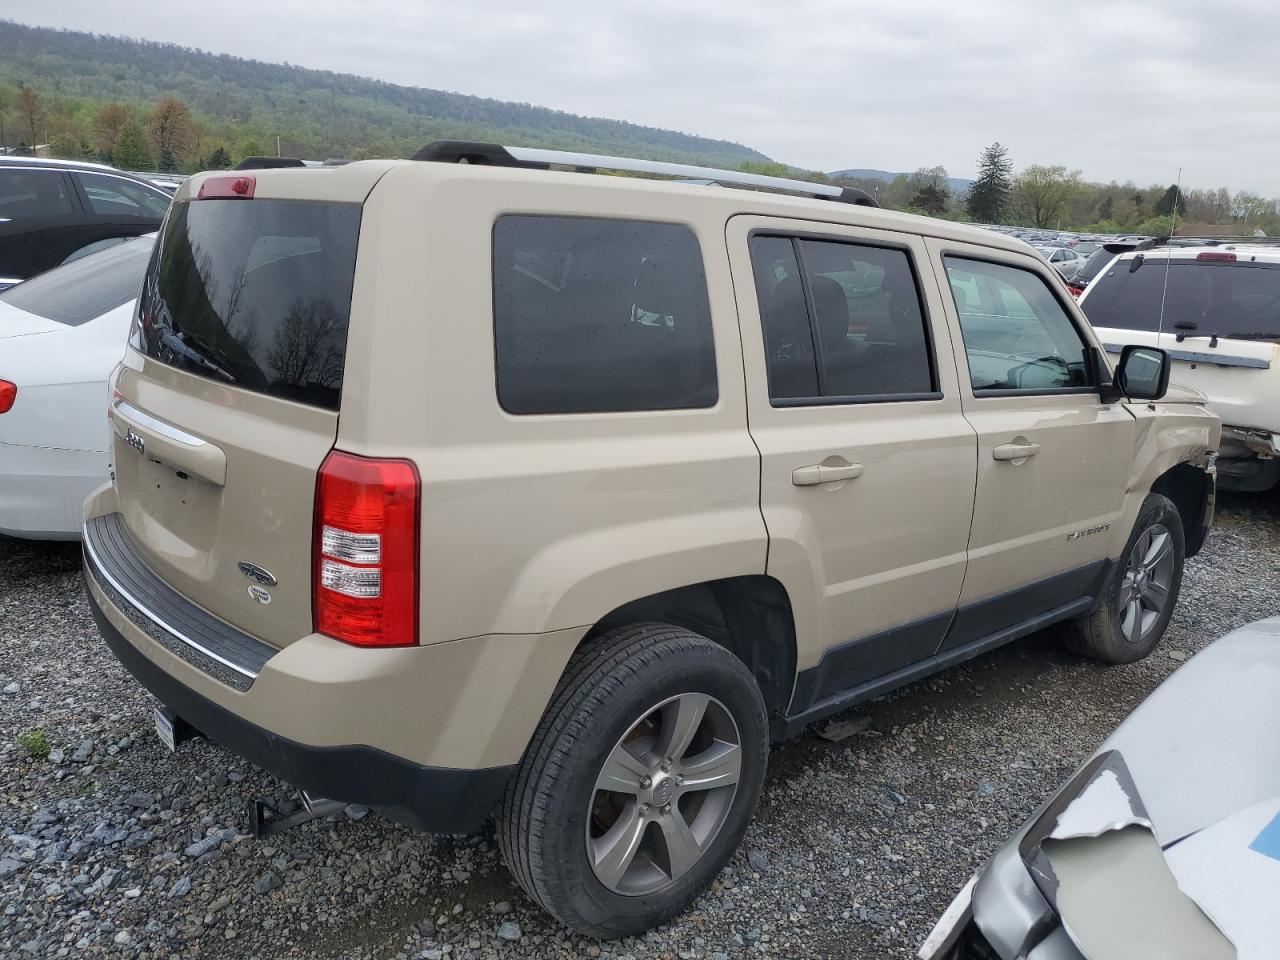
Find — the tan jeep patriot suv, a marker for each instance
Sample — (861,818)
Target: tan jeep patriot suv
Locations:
(463,489)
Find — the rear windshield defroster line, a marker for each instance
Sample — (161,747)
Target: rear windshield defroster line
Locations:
(255,293)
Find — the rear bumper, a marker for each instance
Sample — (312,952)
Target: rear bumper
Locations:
(429,734)
(436,799)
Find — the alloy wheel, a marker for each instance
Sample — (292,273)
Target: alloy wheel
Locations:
(1148,579)
(663,794)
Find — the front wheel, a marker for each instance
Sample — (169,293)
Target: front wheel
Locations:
(1138,601)
(639,782)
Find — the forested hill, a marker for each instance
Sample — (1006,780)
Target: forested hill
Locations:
(317,113)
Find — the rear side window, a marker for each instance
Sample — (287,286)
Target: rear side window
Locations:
(117,197)
(30,194)
(85,288)
(842,321)
(1205,298)
(596,316)
(255,293)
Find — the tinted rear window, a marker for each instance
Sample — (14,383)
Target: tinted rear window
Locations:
(86,288)
(255,293)
(31,194)
(1204,298)
(594,316)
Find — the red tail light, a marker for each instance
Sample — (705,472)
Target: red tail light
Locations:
(1074,290)
(365,558)
(225,188)
(8,394)
(1216,255)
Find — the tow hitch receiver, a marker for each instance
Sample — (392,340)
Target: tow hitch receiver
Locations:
(264,819)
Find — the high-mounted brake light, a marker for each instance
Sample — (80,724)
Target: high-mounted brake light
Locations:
(365,576)
(224,188)
(8,394)
(1215,255)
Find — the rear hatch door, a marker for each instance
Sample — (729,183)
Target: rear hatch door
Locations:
(227,402)
(1220,324)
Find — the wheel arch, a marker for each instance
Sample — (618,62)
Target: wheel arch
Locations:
(1191,490)
(750,616)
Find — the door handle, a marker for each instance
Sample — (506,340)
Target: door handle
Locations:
(155,439)
(1020,449)
(817,473)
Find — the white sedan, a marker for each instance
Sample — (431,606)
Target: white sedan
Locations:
(61,333)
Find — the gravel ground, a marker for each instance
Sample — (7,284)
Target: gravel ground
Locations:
(110,846)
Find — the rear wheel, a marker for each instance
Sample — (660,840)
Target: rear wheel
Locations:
(1138,602)
(639,783)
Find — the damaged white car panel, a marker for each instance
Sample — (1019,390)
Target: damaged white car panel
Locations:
(1177,796)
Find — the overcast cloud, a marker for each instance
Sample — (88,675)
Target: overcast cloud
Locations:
(1121,89)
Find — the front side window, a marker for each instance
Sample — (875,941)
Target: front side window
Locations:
(117,197)
(598,316)
(1017,335)
(30,194)
(841,320)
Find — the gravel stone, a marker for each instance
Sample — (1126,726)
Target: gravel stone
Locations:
(509,930)
(881,828)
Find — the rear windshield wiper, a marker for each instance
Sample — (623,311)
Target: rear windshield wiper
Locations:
(192,348)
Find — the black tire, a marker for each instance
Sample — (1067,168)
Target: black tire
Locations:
(1101,635)
(549,806)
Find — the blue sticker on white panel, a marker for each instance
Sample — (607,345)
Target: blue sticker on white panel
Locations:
(1267,842)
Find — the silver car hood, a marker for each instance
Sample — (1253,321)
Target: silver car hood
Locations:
(1201,770)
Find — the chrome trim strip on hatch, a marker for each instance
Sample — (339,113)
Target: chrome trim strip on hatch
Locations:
(100,569)
(166,430)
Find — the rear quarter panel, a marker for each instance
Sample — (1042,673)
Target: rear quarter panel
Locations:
(535,523)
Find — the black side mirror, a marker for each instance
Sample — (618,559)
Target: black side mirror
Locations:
(1143,373)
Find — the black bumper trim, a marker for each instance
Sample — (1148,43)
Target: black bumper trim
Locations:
(434,799)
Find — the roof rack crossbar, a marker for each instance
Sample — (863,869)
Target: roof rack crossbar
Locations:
(1192,241)
(457,151)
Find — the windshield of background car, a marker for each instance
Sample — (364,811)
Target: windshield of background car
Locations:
(85,288)
(255,293)
(1235,299)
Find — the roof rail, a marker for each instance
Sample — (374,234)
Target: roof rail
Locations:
(492,154)
(1181,241)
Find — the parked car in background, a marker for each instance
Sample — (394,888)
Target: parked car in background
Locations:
(563,509)
(60,335)
(1164,844)
(1062,259)
(1221,326)
(51,209)
(1098,260)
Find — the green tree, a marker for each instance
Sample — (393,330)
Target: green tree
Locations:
(132,151)
(1171,200)
(1042,194)
(931,199)
(988,199)
(218,160)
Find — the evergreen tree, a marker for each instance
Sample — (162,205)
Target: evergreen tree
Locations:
(132,151)
(930,199)
(1172,199)
(218,160)
(168,162)
(988,199)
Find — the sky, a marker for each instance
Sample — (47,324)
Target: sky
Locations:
(1119,89)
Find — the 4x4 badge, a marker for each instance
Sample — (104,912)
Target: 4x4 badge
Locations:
(257,573)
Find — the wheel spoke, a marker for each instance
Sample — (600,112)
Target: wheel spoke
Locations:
(680,721)
(622,772)
(682,846)
(1155,595)
(1133,614)
(1157,552)
(719,766)
(1139,551)
(613,852)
